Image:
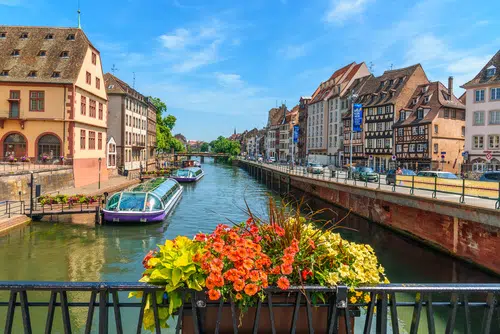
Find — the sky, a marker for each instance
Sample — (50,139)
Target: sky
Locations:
(222,64)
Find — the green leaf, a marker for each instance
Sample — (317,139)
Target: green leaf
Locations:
(176,276)
(182,261)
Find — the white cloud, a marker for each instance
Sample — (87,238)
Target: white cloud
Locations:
(10,2)
(469,64)
(177,40)
(198,59)
(342,10)
(293,51)
(229,80)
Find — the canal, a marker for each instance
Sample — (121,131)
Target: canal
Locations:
(74,249)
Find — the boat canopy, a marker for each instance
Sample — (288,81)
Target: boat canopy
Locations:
(188,172)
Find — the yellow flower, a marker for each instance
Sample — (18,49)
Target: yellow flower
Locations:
(359,293)
(344,270)
(353,300)
(367,298)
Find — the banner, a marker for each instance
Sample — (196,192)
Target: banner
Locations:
(357,118)
(295,133)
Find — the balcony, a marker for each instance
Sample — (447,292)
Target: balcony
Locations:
(8,114)
(138,145)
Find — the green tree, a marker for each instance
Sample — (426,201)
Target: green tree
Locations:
(224,145)
(164,125)
(204,147)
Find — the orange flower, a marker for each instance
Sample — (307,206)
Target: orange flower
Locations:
(286,269)
(233,256)
(233,235)
(200,237)
(239,296)
(275,270)
(239,285)
(216,265)
(287,259)
(248,264)
(218,247)
(278,230)
(231,275)
(209,283)
(249,243)
(264,283)
(254,276)
(218,280)
(283,283)
(312,244)
(251,289)
(213,294)
(242,252)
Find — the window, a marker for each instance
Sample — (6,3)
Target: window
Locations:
(380,126)
(401,132)
(421,130)
(479,95)
(92,104)
(83,105)
(446,113)
(478,117)
(15,53)
(426,99)
(37,100)
(49,36)
(64,54)
(88,78)
(380,111)
(495,93)
(91,140)
(71,37)
(463,131)
(24,35)
(478,142)
(388,143)
(420,147)
(495,117)
(97,83)
(42,53)
(453,114)
(101,113)
(490,71)
(94,58)
(420,113)
(99,141)
(56,74)
(399,148)
(436,148)
(436,128)
(387,109)
(3,34)
(32,74)
(4,73)
(414,130)
(494,142)
(412,148)
(82,139)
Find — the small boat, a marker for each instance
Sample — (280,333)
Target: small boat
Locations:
(190,163)
(151,201)
(189,174)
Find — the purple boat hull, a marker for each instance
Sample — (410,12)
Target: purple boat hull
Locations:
(184,179)
(132,217)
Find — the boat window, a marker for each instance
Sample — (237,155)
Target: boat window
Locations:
(153,203)
(183,173)
(132,201)
(113,202)
(198,172)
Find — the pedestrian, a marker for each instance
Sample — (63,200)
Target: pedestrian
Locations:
(399,171)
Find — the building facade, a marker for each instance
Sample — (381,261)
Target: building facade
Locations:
(302,144)
(128,114)
(482,130)
(151,142)
(53,104)
(430,131)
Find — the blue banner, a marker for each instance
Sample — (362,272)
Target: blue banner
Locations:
(295,133)
(357,118)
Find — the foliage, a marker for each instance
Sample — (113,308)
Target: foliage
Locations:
(164,125)
(172,265)
(204,147)
(238,262)
(224,145)
(66,199)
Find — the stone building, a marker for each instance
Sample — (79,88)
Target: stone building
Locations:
(53,103)
(302,144)
(151,143)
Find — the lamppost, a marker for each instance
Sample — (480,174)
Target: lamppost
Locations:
(99,183)
(352,98)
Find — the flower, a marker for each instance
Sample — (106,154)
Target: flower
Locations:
(218,247)
(238,296)
(238,285)
(311,244)
(213,294)
(353,300)
(305,273)
(254,276)
(146,259)
(286,269)
(251,289)
(283,283)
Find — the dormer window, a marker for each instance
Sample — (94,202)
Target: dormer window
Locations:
(425,89)
(415,100)
(49,36)
(426,99)
(3,34)
(56,74)
(16,53)
(32,74)
(42,53)
(391,82)
(65,54)
(111,86)
(4,73)
(24,35)
(491,71)
(71,37)
(420,113)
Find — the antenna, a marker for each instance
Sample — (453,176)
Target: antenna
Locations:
(392,66)
(133,82)
(370,66)
(114,69)
(79,12)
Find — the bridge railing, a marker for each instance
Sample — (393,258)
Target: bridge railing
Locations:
(10,208)
(97,307)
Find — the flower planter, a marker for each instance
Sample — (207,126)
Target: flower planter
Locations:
(283,317)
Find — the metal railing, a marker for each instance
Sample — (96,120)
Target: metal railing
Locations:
(7,167)
(391,308)
(459,190)
(9,208)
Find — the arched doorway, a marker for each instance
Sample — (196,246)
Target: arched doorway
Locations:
(14,145)
(50,146)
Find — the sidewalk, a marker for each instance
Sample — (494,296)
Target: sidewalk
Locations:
(112,185)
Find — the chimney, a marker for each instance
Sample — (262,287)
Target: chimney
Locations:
(450,86)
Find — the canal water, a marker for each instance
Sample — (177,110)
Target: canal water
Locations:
(74,249)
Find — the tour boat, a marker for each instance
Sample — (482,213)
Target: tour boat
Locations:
(190,163)
(189,174)
(148,202)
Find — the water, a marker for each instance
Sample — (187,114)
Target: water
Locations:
(74,249)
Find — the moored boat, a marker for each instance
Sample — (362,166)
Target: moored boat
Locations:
(151,201)
(189,174)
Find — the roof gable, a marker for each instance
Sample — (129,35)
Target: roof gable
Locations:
(482,77)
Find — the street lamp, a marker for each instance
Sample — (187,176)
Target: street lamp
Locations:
(352,98)
(99,183)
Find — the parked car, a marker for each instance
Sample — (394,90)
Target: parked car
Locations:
(438,174)
(490,177)
(390,178)
(365,174)
(271,160)
(315,168)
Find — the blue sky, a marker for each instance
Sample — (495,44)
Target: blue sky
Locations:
(222,64)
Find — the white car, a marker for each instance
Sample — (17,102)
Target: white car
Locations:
(272,160)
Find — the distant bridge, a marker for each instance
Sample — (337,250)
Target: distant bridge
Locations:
(201,154)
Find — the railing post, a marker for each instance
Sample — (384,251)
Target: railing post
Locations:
(462,198)
(379,177)
(497,204)
(434,193)
(412,190)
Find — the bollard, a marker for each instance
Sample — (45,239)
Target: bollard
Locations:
(379,177)
(434,193)
(462,198)
(412,190)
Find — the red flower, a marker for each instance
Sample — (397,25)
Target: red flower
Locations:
(146,259)
(200,237)
(278,230)
(283,283)
(306,273)
(312,244)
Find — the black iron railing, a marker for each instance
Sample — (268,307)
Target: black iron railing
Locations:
(392,308)
(10,208)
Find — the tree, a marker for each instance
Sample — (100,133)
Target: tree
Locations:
(164,125)
(204,147)
(224,145)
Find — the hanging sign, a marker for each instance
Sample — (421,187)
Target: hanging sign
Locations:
(357,118)
(295,133)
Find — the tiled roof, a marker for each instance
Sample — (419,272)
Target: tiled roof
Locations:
(115,85)
(30,59)
(341,71)
(437,95)
(322,92)
(385,88)
(357,85)
(482,77)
